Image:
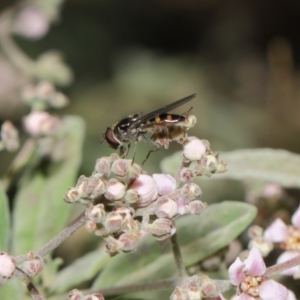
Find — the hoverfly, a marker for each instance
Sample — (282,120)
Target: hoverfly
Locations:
(162,126)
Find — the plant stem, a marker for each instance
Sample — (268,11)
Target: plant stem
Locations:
(57,240)
(293,262)
(178,257)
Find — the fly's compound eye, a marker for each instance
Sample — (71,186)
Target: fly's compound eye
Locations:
(111,139)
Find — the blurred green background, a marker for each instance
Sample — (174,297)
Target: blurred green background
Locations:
(240,57)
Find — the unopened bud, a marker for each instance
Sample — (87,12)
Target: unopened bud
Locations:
(39,123)
(103,166)
(129,241)
(186,175)
(113,222)
(190,121)
(95,188)
(166,208)
(72,195)
(131,196)
(90,226)
(34,265)
(194,149)
(95,213)
(196,207)
(190,191)
(165,183)
(113,246)
(134,171)
(210,162)
(146,188)
(209,287)
(115,190)
(82,186)
(120,167)
(94,296)
(75,295)
(7,265)
(160,228)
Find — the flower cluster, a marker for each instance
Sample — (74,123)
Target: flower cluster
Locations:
(249,278)
(123,202)
(197,287)
(77,295)
(288,238)
(43,95)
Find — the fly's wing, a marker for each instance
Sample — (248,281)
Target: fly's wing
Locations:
(143,119)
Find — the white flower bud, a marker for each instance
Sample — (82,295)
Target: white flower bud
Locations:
(194,150)
(7,266)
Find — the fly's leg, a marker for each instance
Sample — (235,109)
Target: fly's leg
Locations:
(124,150)
(151,151)
(134,151)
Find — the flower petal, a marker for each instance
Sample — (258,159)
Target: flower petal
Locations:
(296,218)
(236,272)
(255,263)
(270,290)
(277,231)
(166,184)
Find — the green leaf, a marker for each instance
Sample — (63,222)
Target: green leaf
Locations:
(89,266)
(40,212)
(214,229)
(199,237)
(4,220)
(267,165)
(12,290)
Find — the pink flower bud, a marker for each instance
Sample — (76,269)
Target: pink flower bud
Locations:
(166,208)
(113,222)
(190,191)
(186,175)
(39,123)
(72,195)
(146,188)
(95,213)
(115,190)
(82,186)
(196,207)
(113,245)
(159,228)
(95,187)
(34,265)
(103,166)
(134,171)
(90,226)
(120,167)
(7,266)
(195,149)
(32,23)
(165,183)
(129,241)
(75,295)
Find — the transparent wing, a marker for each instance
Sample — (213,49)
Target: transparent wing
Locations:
(143,119)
